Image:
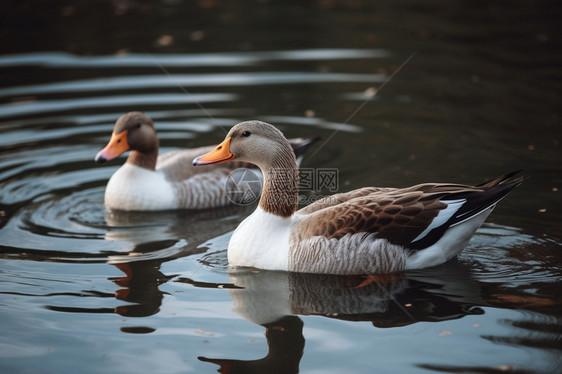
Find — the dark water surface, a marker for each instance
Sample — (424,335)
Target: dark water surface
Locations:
(467,90)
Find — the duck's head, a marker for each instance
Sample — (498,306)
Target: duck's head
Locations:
(132,131)
(255,142)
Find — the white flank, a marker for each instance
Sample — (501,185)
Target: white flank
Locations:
(451,243)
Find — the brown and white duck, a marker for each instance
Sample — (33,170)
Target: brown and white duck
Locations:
(148,181)
(369,230)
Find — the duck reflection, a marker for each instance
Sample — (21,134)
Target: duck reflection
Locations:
(195,227)
(139,287)
(286,345)
(147,240)
(274,299)
(148,237)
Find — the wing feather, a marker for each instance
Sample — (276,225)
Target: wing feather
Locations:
(414,217)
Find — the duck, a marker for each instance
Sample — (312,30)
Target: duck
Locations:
(151,182)
(371,230)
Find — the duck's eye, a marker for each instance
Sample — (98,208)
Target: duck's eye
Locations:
(246,134)
(138,125)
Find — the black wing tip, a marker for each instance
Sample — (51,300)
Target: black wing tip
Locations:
(490,196)
(512,178)
(509,178)
(492,192)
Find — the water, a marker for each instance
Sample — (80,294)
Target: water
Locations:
(84,290)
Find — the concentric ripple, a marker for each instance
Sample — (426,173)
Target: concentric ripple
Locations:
(497,253)
(53,124)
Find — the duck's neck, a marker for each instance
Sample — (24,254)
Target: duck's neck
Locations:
(281,185)
(145,160)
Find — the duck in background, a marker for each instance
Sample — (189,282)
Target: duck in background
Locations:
(151,182)
(365,231)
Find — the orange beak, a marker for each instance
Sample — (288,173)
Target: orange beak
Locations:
(117,146)
(220,154)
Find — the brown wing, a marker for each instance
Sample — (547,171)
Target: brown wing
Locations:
(340,198)
(397,215)
(402,215)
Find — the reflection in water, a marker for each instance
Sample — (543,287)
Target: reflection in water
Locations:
(286,345)
(196,227)
(386,301)
(140,288)
(153,239)
(273,299)
(536,331)
(150,233)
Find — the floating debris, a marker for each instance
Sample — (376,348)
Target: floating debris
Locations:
(370,92)
(197,35)
(165,41)
(205,333)
(505,367)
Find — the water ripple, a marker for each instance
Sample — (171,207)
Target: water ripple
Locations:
(317,122)
(49,106)
(142,82)
(186,60)
(497,253)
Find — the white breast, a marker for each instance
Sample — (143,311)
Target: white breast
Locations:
(136,188)
(261,241)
